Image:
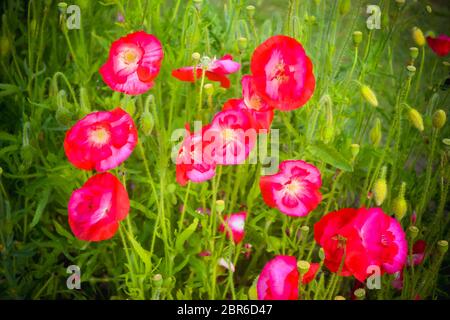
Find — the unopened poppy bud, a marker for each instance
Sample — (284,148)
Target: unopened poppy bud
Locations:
(157,280)
(344,7)
(360,294)
(418,37)
(442,246)
(413,52)
(220,206)
(321,254)
(328,134)
(339,298)
(5,46)
(85,105)
(416,119)
(303,266)
(375,133)
(250,11)
(196,57)
(253,293)
(411,70)
(198,4)
(354,149)
(399,205)
(380,188)
(369,95)
(439,119)
(242,44)
(147,123)
(429,9)
(357,37)
(413,232)
(129,106)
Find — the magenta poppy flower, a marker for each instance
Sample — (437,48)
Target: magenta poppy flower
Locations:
(215,70)
(279,279)
(102,140)
(191,163)
(236,223)
(231,137)
(294,190)
(133,63)
(97,207)
(311,273)
(368,237)
(440,45)
(282,73)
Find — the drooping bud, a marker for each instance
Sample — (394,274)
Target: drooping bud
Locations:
(416,119)
(357,38)
(63,114)
(418,37)
(369,95)
(380,188)
(399,206)
(375,133)
(147,122)
(439,119)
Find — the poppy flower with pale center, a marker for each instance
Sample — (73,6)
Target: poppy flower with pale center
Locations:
(282,73)
(440,45)
(215,70)
(294,190)
(97,207)
(191,164)
(231,137)
(102,140)
(235,222)
(134,62)
(279,279)
(360,238)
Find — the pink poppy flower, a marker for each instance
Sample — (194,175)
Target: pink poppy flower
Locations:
(231,137)
(279,279)
(418,252)
(102,140)
(440,45)
(97,207)
(236,223)
(133,63)
(215,70)
(363,238)
(311,273)
(282,73)
(294,190)
(259,119)
(191,164)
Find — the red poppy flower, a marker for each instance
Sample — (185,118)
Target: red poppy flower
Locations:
(101,140)
(294,190)
(279,279)
(97,207)
(282,73)
(133,63)
(440,45)
(191,164)
(311,273)
(359,238)
(215,70)
(418,252)
(231,137)
(236,223)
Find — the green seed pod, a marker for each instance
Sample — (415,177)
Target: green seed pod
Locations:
(399,205)
(304,229)
(62,7)
(411,70)
(198,4)
(360,294)
(242,44)
(157,280)
(375,133)
(380,188)
(220,206)
(196,57)
(416,119)
(344,7)
(442,246)
(209,89)
(250,11)
(413,232)
(439,119)
(418,37)
(303,266)
(357,38)
(413,52)
(369,95)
